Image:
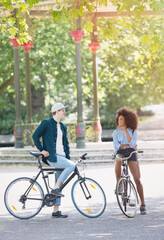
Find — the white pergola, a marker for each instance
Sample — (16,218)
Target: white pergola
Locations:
(42,8)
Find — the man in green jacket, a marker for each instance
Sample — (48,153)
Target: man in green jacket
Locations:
(55,150)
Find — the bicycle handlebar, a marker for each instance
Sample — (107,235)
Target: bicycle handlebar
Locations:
(126,158)
(83,156)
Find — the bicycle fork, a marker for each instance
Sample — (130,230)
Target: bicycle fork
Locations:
(85,189)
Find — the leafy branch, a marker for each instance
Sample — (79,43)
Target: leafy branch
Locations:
(14,12)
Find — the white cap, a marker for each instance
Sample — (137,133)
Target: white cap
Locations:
(58,106)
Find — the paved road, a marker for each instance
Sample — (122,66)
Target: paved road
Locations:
(156,121)
(153,127)
(111,225)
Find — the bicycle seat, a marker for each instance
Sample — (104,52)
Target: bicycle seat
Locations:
(36,154)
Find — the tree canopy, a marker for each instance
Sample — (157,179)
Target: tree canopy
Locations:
(14,13)
(130,59)
(129,68)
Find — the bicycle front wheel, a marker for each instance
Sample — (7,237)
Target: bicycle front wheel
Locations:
(24,198)
(88,197)
(127,197)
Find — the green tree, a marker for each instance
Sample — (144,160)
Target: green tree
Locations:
(7,101)
(53,71)
(131,57)
(53,62)
(130,68)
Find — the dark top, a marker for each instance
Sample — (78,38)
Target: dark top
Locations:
(48,131)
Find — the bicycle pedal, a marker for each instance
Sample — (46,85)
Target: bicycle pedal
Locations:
(57,193)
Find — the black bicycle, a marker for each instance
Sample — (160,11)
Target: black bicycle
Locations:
(126,193)
(24,197)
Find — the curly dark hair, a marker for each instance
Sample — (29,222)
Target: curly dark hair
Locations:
(131,118)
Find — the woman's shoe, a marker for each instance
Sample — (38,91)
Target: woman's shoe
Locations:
(143,209)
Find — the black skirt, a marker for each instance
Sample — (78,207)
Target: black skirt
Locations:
(126,152)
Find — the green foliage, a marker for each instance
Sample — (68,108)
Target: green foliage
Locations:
(7,112)
(52,69)
(131,73)
(6,63)
(53,63)
(157,5)
(130,67)
(13,21)
(137,6)
(103,2)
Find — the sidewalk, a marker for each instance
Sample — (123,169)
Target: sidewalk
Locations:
(153,128)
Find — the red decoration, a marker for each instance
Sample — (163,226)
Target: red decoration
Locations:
(27,46)
(77,35)
(80,130)
(14,42)
(94,46)
(18,131)
(97,127)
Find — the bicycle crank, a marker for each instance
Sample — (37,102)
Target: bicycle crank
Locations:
(49,200)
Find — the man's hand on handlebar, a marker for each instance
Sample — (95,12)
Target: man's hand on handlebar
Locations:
(45,153)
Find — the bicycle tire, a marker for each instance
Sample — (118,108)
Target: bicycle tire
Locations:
(127,197)
(24,198)
(88,197)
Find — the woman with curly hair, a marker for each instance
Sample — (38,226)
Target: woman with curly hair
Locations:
(125,142)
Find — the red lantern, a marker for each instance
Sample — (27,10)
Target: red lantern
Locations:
(14,42)
(94,46)
(27,46)
(77,35)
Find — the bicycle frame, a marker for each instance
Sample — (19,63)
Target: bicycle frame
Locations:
(126,175)
(52,171)
(124,169)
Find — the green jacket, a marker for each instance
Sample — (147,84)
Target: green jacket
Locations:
(48,131)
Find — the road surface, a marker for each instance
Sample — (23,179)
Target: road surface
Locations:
(111,225)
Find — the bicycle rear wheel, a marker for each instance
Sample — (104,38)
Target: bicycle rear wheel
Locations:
(88,197)
(127,197)
(24,198)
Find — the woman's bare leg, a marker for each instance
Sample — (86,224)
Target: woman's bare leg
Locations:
(135,170)
(118,164)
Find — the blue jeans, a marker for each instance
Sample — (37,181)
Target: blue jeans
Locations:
(67,165)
